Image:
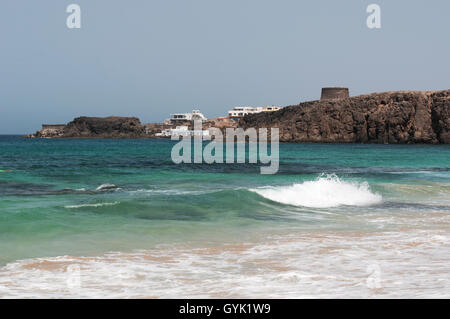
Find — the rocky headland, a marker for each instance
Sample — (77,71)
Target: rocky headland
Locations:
(405,117)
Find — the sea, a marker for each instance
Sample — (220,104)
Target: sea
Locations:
(116,218)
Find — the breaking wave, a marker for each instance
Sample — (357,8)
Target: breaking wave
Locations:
(325,192)
(106,187)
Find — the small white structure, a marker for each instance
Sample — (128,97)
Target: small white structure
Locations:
(182,131)
(195,115)
(271,108)
(241,111)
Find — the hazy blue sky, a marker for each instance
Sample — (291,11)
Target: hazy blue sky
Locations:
(152,58)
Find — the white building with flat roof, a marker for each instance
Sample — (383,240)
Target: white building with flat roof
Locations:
(241,111)
(195,115)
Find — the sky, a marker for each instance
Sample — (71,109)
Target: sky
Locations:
(151,58)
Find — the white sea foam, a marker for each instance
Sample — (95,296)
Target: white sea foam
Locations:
(92,205)
(324,192)
(407,264)
(106,187)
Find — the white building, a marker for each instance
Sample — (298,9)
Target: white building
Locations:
(241,111)
(182,131)
(271,108)
(195,115)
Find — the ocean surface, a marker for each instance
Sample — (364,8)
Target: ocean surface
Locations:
(116,218)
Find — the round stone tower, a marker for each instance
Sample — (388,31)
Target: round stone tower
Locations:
(331,93)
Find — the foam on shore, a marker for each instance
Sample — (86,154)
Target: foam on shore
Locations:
(325,265)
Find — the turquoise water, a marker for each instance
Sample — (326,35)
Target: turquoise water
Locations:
(93,197)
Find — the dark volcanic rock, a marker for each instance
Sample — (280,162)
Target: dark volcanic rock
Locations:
(392,117)
(104,127)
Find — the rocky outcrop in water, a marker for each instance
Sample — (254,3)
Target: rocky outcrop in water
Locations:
(105,127)
(405,117)
(98,127)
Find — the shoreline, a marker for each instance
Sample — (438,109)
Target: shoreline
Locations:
(275,261)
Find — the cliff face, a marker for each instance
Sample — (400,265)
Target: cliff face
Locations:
(392,117)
